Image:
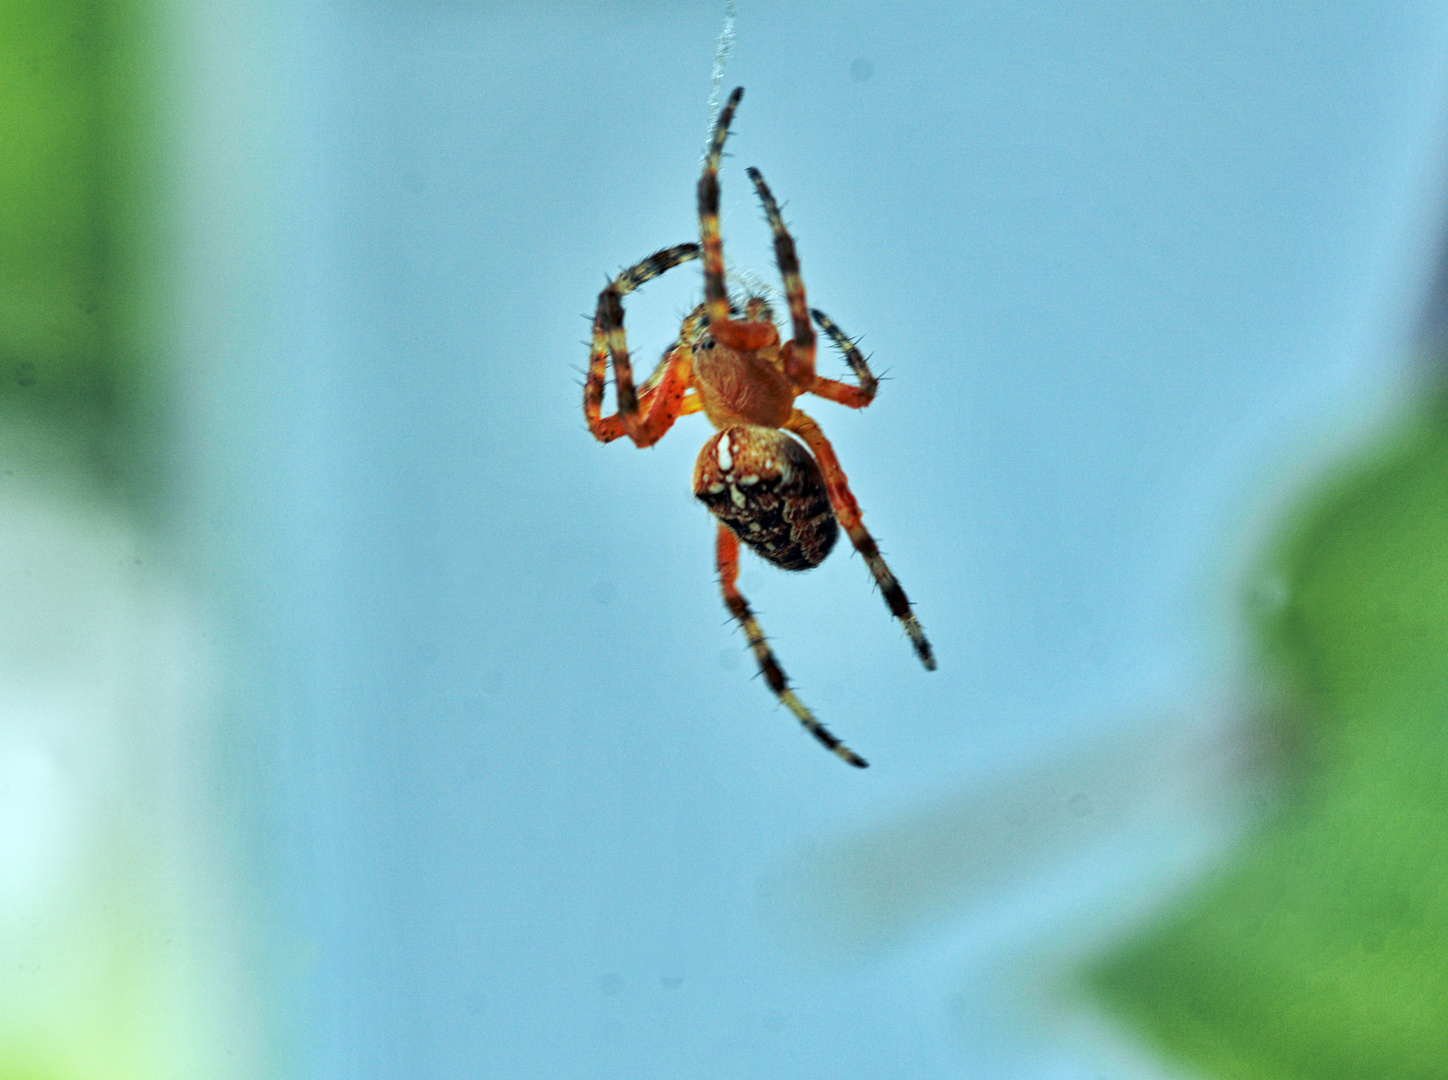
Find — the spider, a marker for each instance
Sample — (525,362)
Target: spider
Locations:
(785,498)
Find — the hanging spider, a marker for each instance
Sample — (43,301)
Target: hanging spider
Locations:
(783,500)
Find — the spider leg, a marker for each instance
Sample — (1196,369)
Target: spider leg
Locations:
(727,551)
(799,353)
(716,295)
(609,340)
(658,406)
(842,393)
(842,501)
(661,401)
(855,397)
(744,336)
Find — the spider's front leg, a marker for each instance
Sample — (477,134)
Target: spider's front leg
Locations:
(727,552)
(744,336)
(854,397)
(847,511)
(646,420)
(655,411)
(798,353)
(716,294)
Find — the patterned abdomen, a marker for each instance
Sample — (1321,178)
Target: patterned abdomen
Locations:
(767,488)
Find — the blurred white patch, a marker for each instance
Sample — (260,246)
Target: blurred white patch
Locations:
(37,818)
(110,846)
(72,628)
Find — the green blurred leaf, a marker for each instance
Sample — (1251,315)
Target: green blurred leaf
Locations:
(82,268)
(53,279)
(1322,951)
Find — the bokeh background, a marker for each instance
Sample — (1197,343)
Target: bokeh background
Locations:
(360,716)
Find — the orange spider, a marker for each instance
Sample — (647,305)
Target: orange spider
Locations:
(764,487)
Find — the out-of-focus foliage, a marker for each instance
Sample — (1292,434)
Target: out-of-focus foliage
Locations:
(1322,951)
(52,203)
(93,941)
(78,193)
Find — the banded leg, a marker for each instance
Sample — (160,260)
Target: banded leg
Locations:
(745,336)
(855,397)
(665,399)
(609,341)
(842,501)
(716,295)
(727,551)
(799,353)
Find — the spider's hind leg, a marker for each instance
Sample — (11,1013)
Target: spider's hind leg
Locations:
(728,557)
(847,510)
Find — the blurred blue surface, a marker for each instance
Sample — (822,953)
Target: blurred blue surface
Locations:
(1131,274)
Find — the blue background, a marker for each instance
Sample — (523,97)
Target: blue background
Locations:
(1135,276)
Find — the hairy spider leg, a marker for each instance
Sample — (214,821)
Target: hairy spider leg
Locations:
(727,551)
(842,393)
(716,295)
(798,354)
(659,406)
(693,331)
(743,336)
(660,401)
(847,511)
(664,395)
(609,339)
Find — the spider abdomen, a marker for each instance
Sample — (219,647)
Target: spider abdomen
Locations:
(768,489)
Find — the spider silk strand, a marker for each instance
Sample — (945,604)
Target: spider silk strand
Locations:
(723,46)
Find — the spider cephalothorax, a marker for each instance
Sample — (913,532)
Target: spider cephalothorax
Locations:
(786,499)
